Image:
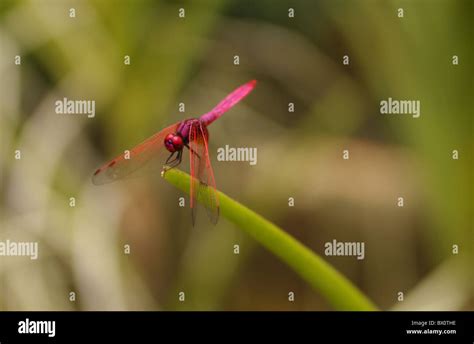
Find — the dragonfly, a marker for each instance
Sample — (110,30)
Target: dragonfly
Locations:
(191,133)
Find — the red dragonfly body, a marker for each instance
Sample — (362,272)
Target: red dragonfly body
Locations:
(190,133)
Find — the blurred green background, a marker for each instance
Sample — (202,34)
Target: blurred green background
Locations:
(190,60)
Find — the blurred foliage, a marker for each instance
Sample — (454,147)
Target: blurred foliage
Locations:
(190,60)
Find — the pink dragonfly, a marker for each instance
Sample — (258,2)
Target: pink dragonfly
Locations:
(190,133)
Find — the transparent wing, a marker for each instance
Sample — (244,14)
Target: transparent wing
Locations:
(203,184)
(229,101)
(127,163)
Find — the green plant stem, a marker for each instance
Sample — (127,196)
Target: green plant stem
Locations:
(334,287)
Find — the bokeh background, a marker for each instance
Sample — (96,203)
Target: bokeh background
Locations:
(191,60)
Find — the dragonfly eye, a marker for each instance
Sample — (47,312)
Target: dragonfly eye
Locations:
(173,143)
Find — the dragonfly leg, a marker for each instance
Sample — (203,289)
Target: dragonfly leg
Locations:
(169,158)
(192,150)
(171,163)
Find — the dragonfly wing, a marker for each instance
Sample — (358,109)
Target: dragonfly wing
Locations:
(201,171)
(130,161)
(228,102)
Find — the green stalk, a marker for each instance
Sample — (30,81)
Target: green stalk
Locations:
(334,287)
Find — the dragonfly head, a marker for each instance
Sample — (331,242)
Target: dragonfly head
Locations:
(174,142)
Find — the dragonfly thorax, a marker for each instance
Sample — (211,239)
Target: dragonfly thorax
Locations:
(174,142)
